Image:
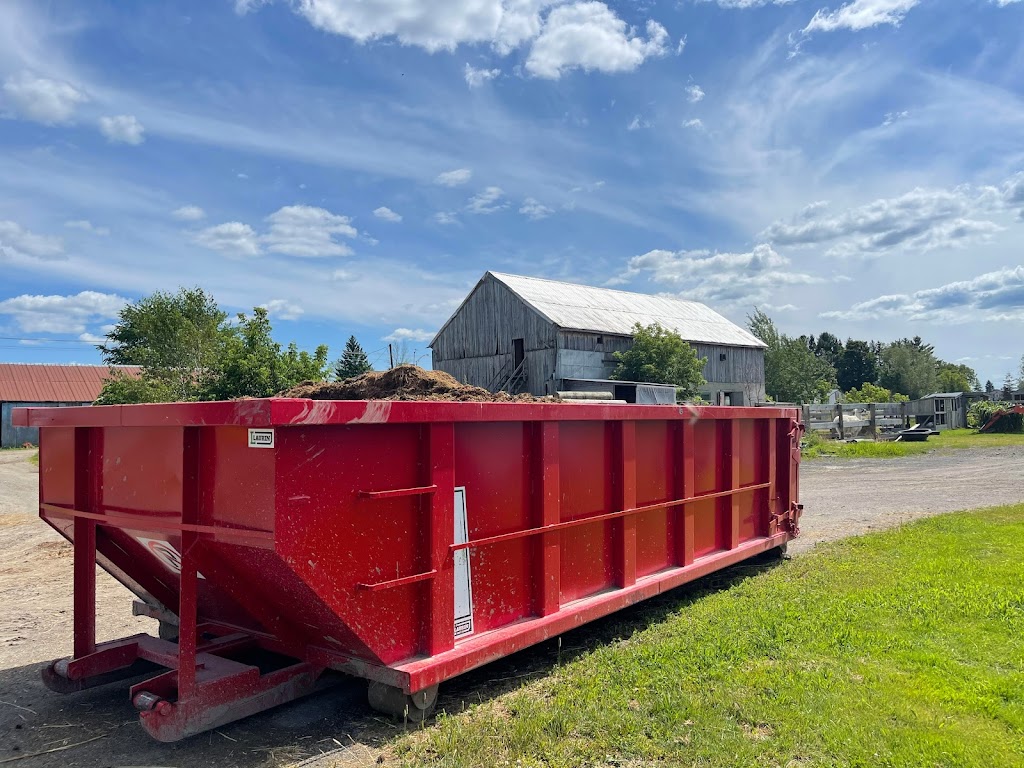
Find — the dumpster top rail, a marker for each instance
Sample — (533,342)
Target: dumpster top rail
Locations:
(272,412)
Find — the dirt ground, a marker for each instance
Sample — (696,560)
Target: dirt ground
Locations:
(100,728)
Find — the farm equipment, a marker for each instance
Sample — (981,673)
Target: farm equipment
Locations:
(997,415)
(279,541)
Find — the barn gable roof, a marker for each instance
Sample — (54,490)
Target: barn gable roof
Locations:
(32,383)
(604,310)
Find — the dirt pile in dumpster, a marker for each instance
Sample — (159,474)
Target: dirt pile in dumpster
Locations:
(405,382)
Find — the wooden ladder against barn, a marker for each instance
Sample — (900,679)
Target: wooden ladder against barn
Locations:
(514,384)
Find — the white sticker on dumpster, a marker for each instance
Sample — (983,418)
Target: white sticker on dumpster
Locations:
(165,553)
(261,438)
(463,587)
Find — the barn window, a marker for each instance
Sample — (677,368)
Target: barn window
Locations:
(600,339)
(721,356)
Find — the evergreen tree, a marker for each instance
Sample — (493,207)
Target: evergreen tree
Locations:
(857,365)
(353,361)
(990,387)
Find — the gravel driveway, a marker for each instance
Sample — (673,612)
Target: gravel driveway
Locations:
(841,498)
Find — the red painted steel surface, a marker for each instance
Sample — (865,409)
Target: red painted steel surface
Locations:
(45,383)
(335,546)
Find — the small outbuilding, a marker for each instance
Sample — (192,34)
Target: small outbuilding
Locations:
(526,334)
(28,384)
(941,410)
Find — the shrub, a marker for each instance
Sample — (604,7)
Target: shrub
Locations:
(979,414)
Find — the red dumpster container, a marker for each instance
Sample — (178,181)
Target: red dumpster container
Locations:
(401,542)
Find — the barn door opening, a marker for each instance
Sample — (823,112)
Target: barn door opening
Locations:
(518,353)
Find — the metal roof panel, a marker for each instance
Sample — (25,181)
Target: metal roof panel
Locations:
(605,310)
(49,383)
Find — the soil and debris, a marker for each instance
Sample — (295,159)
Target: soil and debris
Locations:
(405,382)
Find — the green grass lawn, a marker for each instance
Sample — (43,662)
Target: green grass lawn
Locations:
(954,439)
(903,648)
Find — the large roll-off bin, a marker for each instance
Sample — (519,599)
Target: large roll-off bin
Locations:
(400,542)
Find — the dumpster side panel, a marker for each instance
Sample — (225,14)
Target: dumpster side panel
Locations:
(657,469)
(336,538)
(492,462)
(587,562)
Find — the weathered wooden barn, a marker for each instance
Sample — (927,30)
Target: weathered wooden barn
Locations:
(27,384)
(526,334)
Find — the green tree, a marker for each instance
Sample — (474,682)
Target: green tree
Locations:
(353,361)
(908,366)
(793,374)
(1008,387)
(254,365)
(872,393)
(829,348)
(123,389)
(188,351)
(660,355)
(990,387)
(176,338)
(957,378)
(857,365)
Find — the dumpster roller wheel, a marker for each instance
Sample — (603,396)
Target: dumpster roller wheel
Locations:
(416,707)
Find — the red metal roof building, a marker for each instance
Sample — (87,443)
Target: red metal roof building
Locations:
(31,384)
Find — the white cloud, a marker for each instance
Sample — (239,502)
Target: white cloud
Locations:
(589,36)
(581,33)
(1004,3)
(445,217)
(487,201)
(892,117)
(189,213)
(61,314)
(694,93)
(637,123)
(454,178)
(408,334)
(387,214)
(477,77)
(992,296)
(728,278)
(122,129)
(682,45)
(87,226)
(302,230)
(695,123)
(233,238)
(747,3)
(16,242)
(534,209)
(283,309)
(861,14)
(921,220)
(41,99)
(431,24)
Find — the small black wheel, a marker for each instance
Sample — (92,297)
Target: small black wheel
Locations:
(389,700)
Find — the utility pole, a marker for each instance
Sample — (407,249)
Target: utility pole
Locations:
(391,356)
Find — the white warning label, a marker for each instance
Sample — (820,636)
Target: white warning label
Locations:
(261,438)
(463,585)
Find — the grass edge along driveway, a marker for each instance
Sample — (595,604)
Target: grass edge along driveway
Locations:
(949,440)
(902,648)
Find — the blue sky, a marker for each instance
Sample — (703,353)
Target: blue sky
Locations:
(356,167)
